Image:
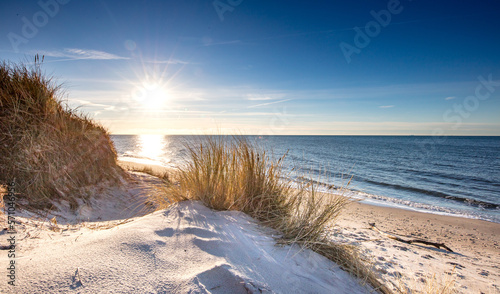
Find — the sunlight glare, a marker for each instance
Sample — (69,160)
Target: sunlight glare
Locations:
(151,146)
(152,95)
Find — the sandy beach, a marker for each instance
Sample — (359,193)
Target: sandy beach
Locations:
(117,244)
(474,265)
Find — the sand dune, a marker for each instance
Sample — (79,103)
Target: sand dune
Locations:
(187,248)
(116,244)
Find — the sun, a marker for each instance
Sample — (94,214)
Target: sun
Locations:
(152,95)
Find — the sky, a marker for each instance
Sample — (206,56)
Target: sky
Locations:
(268,67)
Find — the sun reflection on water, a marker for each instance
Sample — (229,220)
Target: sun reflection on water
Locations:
(151,146)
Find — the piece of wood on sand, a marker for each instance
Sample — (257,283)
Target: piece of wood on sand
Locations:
(408,240)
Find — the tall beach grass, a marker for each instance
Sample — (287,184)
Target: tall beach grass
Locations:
(231,173)
(52,152)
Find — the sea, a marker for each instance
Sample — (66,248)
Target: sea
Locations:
(458,176)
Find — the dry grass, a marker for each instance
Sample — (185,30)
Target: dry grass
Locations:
(229,173)
(156,191)
(439,286)
(433,284)
(51,151)
(162,175)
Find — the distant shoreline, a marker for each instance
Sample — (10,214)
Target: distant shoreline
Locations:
(311,135)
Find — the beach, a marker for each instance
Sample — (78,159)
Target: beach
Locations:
(249,147)
(474,264)
(118,244)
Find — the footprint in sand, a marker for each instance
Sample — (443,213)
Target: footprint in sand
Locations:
(169,232)
(401,247)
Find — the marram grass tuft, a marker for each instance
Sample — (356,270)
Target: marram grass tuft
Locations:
(231,173)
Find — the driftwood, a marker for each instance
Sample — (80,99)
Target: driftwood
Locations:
(409,241)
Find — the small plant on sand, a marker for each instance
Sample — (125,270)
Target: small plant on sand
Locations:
(229,173)
(50,150)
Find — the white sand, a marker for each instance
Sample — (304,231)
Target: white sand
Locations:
(187,248)
(473,267)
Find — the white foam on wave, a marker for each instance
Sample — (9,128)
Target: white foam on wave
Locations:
(379,200)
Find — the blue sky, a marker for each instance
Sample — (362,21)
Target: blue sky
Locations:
(261,67)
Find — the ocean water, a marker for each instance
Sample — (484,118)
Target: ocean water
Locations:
(445,175)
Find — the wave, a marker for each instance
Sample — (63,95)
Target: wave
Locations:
(465,200)
(404,204)
(422,207)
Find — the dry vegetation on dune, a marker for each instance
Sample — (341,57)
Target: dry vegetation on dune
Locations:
(51,151)
(229,173)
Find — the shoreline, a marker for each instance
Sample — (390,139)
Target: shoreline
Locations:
(358,195)
(158,168)
(476,244)
(393,205)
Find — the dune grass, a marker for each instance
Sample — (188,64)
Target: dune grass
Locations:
(51,151)
(230,173)
(162,175)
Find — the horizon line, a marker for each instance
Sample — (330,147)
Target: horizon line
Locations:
(315,135)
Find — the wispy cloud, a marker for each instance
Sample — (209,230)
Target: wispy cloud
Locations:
(76,54)
(260,98)
(255,98)
(264,104)
(264,97)
(386,106)
(450,98)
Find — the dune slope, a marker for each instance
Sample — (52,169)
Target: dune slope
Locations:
(187,248)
